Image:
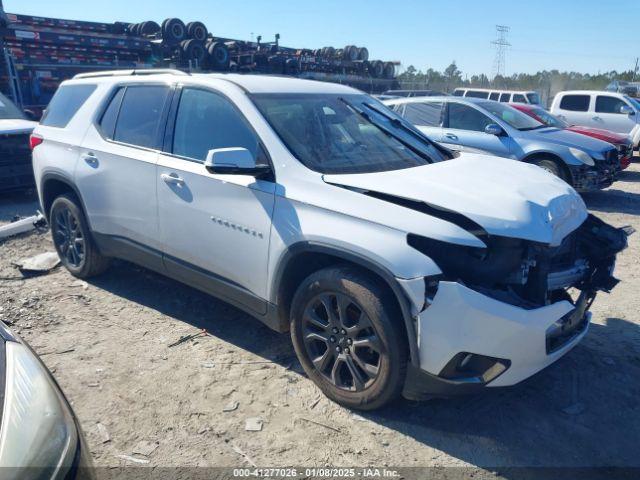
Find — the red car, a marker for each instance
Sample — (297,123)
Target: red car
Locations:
(622,142)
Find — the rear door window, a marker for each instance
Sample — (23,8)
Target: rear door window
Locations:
(494,96)
(139,117)
(458,93)
(65,104)
(575,103)
(427,114)
(607,104)
(519,98)
(505,97)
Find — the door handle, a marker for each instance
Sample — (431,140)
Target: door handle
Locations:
(596,118)
(451,136)
(90,159)
(172,179)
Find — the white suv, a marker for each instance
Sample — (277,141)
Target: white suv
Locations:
(397,265)
(609,110)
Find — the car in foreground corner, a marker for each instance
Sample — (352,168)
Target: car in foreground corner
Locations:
(40,436)
(16,172)
(397,265)
(622,142)
(478,125)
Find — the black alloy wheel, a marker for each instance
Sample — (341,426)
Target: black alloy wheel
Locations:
(341,341)
(68,237)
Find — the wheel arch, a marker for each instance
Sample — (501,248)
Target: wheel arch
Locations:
(302,259)
(544,155)
(52,186)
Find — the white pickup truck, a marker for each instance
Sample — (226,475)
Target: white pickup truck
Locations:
(16,171)
(609,110)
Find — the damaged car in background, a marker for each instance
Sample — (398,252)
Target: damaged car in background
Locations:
(397,265)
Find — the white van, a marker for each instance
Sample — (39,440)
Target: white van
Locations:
(608,110)
(505,96)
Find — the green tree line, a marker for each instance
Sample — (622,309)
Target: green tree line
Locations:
(546,82)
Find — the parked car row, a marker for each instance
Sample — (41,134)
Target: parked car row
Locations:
(485,126)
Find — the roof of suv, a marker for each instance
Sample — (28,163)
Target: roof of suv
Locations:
(250,83)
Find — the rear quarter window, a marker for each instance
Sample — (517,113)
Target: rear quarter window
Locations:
(65,104)
(575,103)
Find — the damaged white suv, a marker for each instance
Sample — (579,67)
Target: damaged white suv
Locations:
(398,266)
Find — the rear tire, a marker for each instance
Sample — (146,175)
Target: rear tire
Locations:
(73,240)
(349,338)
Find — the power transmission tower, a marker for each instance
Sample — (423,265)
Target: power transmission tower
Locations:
(500,44)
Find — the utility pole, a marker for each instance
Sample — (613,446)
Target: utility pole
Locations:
(500,44)
(635,70)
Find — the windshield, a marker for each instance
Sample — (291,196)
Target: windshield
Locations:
(511,116)
(549,119)
(634,101)
(345,133)
(8,110)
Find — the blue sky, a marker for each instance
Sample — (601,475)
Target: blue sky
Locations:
(587,36)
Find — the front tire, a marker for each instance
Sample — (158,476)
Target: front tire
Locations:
(551,166)
(349,337)
(72,239)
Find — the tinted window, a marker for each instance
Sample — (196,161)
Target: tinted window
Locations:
(505,97)
(108,121)
(206,121)
(458,93)
(139,116)
(463,117)
(477,94)
(424,114)
(494,96)
(65,103)
(575,103)
(519,98)
(606,104)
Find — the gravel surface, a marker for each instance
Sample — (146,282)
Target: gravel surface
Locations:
(238,397)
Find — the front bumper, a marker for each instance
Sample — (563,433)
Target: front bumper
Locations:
(462,321)
(589,179)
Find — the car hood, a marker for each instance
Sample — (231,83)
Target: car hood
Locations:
(16,125)
(569,139)
(505,197)
(601,134)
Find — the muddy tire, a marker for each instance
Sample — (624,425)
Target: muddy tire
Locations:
(349,337)
(73,240)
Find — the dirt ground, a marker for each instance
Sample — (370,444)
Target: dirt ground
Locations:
(108,344)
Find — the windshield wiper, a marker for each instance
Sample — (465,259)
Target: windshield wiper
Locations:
(399,124)
(385,130)
(528,129)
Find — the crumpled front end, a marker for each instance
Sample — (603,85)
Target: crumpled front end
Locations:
(601,175)
(498,315)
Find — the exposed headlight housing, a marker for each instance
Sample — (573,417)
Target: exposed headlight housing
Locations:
(582,156)
(38,430)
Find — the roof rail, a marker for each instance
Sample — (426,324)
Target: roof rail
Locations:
(127,73)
